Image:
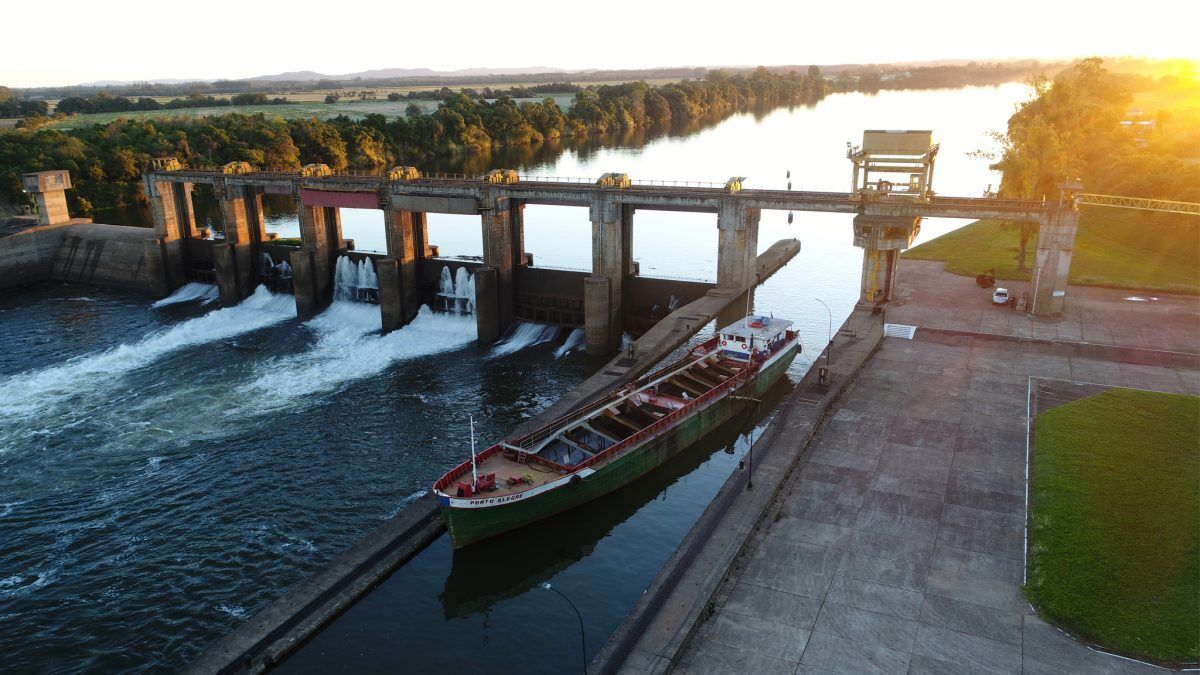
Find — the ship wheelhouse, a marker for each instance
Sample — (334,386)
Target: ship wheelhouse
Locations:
(754,334)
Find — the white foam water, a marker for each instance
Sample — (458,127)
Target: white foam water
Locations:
(355,281)
(524,334)
(190,292)
(458,289)
(574,341)
(348,349)
(37,392)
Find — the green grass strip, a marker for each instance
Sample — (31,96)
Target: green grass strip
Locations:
(1115,522)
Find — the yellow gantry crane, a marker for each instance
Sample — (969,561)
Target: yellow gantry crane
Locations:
(1140,203)
(1072,192)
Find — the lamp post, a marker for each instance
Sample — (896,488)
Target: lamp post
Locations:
(582,637)
(829,349)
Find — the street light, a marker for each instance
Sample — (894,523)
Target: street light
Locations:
(829,350)
(582,638)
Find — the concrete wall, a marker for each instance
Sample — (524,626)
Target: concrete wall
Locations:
(87,253)
(25,256)
(110,255)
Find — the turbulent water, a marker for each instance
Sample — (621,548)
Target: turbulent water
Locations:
(158,487)
(167,469)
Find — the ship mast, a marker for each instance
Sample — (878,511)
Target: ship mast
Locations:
(474,471)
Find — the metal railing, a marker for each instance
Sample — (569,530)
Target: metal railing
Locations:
(670,419)
(678,183)
(707,188)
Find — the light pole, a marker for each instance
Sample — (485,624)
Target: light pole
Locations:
(582,638)
(829,349)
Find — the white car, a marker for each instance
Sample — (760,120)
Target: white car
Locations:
(1000,297)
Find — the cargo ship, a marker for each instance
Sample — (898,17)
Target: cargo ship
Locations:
(613,441)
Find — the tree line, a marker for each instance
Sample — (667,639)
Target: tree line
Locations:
(106,160)
(13,105)
(107,103)
(1083,125)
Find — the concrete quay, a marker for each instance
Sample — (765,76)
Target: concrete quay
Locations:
(897,544)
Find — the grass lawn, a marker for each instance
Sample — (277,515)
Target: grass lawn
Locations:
(1115,522)
(1113,248)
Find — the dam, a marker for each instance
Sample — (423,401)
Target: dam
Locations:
(285,361)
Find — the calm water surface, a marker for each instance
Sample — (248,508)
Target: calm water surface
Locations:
(165,473)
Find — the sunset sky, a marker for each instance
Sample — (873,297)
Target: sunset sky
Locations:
(75,41)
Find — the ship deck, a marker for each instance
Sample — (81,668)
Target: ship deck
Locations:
(505,468)
(590,435)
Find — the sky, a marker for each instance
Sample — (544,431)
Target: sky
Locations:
(75,41)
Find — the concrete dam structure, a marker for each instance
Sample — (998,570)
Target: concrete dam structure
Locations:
(885,223)
(507,287)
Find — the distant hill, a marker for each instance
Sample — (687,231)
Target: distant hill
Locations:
(292,76)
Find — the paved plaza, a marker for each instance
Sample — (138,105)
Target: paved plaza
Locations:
(898,544)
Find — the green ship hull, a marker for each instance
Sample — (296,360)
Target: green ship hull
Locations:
(469,525)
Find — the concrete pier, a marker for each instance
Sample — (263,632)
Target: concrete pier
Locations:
(738,247)
(236,259)
(399,297)
(313,265)
(598,319)
(487,304)
(503,222)
(612,232)
(49,190)
(173,216)
(882,238)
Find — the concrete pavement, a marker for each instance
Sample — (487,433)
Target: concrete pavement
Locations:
(898,545)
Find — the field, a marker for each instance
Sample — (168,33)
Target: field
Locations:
(313,108)
(1113,248)
(1115,522)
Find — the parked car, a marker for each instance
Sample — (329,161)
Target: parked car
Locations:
(1000,297)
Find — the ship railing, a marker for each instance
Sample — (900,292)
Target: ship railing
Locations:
(668,420)
(542,433)
(464,468)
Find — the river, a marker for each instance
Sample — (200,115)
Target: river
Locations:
(166,472)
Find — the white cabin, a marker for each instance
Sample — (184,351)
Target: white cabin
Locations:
(753,334)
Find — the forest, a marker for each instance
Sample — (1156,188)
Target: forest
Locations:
(106,160)
(1084,125)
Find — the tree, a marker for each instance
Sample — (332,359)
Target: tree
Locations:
(318,143)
